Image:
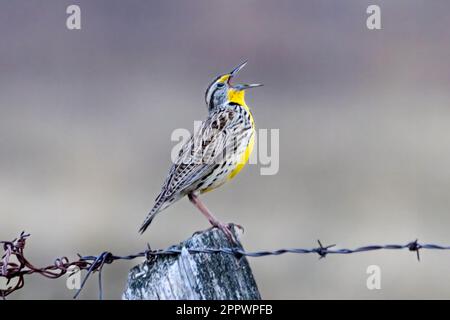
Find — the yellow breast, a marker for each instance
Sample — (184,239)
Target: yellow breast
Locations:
(243,157)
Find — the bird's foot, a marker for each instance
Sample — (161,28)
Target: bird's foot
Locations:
(226,228)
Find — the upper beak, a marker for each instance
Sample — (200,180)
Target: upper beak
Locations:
(237,69)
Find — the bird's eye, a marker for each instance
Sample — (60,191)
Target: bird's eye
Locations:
(220,85)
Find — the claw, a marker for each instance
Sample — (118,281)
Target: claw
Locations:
(231,224)
(228,231)
(225,228)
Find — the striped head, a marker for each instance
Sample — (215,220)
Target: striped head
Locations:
(220,90)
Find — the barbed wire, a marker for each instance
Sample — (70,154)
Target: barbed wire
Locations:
(14,265)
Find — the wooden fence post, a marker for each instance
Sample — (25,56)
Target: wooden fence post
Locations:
(194,276)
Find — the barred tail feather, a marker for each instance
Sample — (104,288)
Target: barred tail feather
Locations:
(161,204)
(147,222)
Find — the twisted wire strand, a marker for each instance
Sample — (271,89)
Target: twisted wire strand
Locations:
(12,270)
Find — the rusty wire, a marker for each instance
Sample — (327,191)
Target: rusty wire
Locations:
(17,270)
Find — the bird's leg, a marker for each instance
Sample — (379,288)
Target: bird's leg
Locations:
(226,228)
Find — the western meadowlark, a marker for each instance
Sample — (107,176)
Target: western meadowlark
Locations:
(214,154)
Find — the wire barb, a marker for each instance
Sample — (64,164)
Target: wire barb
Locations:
(323,251)
(415,246)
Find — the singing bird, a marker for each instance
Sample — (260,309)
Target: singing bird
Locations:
(214,154)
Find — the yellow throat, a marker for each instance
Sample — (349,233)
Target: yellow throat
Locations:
(238,96)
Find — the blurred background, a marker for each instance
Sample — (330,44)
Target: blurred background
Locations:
(86,118)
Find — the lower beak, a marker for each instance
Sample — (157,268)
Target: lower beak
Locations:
(240,87)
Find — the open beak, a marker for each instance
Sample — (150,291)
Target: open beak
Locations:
(240,87)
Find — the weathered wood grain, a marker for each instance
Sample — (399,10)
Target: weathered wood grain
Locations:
(196,276)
